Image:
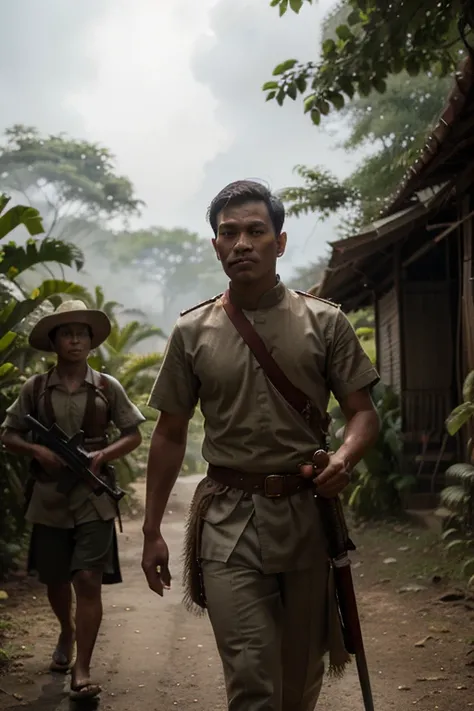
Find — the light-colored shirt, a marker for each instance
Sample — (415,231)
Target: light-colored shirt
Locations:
(248,424)
(48,506)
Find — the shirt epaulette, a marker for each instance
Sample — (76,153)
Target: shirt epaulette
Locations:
(312,296)
(201,303)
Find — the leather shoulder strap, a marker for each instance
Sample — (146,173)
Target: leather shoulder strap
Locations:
(40,389)
(38,386)
(293,395)
(103,389)
(100,383)
(104,383)
(92,424)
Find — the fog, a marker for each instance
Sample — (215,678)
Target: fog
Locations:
(174,90)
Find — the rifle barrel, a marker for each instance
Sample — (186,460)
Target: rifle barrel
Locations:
(57,440)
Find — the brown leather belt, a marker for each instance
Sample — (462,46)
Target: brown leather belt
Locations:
(273,486)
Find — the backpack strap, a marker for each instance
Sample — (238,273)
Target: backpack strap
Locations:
(41,390)
(36,392)
(92,426)
(104,389)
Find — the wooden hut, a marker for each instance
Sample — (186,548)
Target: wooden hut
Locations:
(415,266)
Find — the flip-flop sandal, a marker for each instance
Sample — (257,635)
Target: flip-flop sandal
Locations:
(87,690)
(60,662)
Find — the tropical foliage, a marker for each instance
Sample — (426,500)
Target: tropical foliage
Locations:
(458,499)
(176,262)
(306,277)
(17,311)
(372,41)
(363,322)
(379,482)
(458,495)
(463,413)
(65,178)
(387,128)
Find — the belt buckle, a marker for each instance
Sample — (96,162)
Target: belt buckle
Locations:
(273,486)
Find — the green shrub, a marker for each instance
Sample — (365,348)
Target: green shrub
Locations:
(378,480)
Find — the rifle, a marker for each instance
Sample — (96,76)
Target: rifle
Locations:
(332,516)
(71,451)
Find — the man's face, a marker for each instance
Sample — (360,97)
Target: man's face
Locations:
(72,342)
(246,243)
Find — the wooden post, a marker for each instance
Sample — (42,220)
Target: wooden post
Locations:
(467,290)
(375,302)
(467,303)
(398,283)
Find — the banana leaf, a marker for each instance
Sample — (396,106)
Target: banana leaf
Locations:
(52,289)
(19,215)
(16,258)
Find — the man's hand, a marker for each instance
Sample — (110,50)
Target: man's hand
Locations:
(333,474)
(96,459)
(155,564)
(49,460)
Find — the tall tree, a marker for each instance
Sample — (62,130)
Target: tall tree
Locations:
(178,261)
(305,278)
(67,179)
(376,40)
(393,126)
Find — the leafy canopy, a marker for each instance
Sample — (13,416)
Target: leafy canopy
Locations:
(306,277)
(177,261)
(390,128)
(377,39)
(64,176)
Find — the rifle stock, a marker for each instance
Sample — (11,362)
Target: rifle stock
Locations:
(340,544)
(71,452)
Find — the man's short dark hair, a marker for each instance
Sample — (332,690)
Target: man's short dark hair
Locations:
(242,191)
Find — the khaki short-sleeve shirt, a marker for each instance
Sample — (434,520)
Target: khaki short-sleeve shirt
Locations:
(248,425)
(47,506)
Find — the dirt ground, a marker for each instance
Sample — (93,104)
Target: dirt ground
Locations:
(152,655)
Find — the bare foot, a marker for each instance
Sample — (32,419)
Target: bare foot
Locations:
(81,685)
(62,655)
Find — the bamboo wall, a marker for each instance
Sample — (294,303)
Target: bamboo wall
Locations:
(388,340)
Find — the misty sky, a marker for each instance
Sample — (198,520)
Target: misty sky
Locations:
(174,90)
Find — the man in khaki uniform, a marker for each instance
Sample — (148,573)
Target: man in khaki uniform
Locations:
(73,535)
(262,559)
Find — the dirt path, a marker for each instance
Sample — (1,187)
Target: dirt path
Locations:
(152,655)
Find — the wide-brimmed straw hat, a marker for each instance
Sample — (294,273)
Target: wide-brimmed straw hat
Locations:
(73,311)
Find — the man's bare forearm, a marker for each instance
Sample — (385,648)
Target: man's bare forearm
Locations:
(164,463)
(360,435)
(16,443)
(122,446)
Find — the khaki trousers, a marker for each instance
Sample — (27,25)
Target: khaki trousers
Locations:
(271,630)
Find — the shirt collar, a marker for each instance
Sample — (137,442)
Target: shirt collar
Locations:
(268,300)
(54,379)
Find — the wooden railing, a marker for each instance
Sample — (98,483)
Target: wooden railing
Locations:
(425,411)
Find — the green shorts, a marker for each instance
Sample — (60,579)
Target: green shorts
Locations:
(56,554)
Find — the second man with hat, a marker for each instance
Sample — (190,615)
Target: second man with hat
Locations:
(73,542)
